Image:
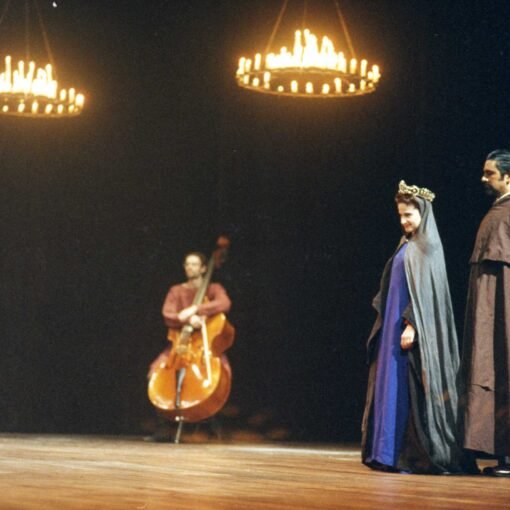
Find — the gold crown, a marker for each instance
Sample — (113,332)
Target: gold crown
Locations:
(417,192)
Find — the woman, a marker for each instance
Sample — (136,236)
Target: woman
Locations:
(410,419)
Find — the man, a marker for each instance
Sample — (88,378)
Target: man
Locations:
(486,349)
(179,310)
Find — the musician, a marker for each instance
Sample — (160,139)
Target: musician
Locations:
(178,309)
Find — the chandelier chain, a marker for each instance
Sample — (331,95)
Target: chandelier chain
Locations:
(277,25)
(344,28)
(4,12)
(27,30)
(305,12)
(45,38)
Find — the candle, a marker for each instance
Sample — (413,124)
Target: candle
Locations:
(363,69)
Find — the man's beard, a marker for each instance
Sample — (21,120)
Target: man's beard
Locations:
(490,191)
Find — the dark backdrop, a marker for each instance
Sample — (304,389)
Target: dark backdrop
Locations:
(97,211)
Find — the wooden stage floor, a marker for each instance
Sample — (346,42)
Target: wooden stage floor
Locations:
(86,472)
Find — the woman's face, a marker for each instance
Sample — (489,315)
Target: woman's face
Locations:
(410,218)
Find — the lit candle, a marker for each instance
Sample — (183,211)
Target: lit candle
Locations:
(294,86)
(52,87)
(15,81)
(30,75)
(363,68)
(21,69)
(35,107)
(255,82)
(309,87)
(376,72)
(325,88)
(8,73)
(353,65)
(240,69)
(338,85)
(48,108)
(298,48)
(256,65)
(280,88)
(342,63)
(352,88)
(80,100)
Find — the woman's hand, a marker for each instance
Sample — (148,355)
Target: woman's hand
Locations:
(407,338)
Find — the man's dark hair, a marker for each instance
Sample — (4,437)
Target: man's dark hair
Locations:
(198,254)
(502,159)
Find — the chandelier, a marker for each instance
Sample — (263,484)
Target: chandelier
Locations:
(310,70)
(27,90)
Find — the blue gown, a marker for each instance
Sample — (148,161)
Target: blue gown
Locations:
(391,398)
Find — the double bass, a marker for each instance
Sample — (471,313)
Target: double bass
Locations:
(194,382)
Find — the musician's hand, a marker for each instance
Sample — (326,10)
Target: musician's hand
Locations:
(407,338)
(185,314)
(196,321)
(181,349)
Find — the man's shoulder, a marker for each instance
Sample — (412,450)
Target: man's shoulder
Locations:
(499,212)
(502,204)
(178,287)
(216,286)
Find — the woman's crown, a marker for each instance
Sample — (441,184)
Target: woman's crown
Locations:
(417,192)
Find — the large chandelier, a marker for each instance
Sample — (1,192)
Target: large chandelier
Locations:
(27,90)
(310,70)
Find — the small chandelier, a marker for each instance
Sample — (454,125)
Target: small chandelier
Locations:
(309,70)
(33,92)
(30,91)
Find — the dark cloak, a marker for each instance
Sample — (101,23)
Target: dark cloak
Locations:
(486,344)
(430,441)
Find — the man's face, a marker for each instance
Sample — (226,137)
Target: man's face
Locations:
(492,180)
(193,267)
(410,218)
